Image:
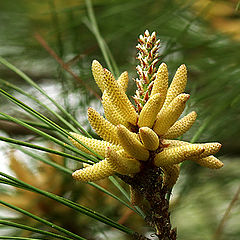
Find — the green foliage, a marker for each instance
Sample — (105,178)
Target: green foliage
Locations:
(79,32)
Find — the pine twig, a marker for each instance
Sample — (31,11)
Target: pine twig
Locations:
(65,66)
(149,183)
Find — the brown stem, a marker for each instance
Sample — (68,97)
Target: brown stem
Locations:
(149,183)
(65,66)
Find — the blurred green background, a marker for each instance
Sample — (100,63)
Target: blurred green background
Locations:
(54,42)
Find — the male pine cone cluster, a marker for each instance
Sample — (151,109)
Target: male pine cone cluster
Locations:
(131,138)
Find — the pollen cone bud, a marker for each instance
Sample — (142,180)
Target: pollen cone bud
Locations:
(123,81)
(150,110)
(173,143)
(95,172)
(119,98)
(149,138)
(209,162)
(210,148)
(177,86)
(161,82)
(181,126)
(98,74)
(131,144)
(111,113)
(175,155)
(97,146)
(102,127)
(121,164)
(168,116)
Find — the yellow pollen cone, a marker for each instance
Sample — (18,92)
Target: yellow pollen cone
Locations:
(95,172)
(175,155)
(209,162)
(119,98)
(149,138)
(171,174)
(102,127)
(123,81)
(181,126)
(168,116)
(97,146)
(177,86)
(174,143)
(123,153)
(209,149)
(150,110)
(122,164)
(111,112)
(131,144)
(98,74)
(161,81)
(203,159)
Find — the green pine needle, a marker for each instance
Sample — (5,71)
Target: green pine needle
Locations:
(66,202)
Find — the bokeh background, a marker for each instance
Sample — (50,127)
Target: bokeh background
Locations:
(54,43)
